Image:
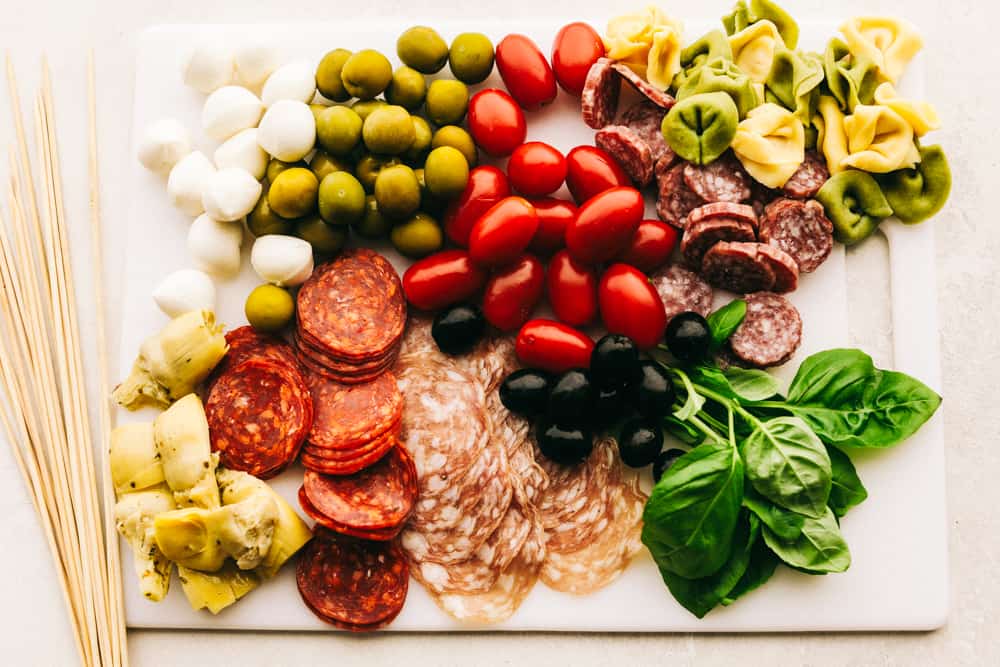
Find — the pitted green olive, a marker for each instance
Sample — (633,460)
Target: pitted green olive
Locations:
(341,199)
(269,308)
(397,191)
(407,88)
(276,166)
(366,74)
(368,167)
(446,172)
(293,193)
(471,57)
(447,101)
(423,49)
(325,239)
(373,225)
(262,220)
(457,137)
(422,137)
(338,130)
(417,237)
(328,75)
(364,108)
(323,163)
(388,130)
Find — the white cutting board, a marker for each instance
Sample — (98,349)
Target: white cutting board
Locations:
(898,580)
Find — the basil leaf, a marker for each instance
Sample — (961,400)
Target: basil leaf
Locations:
(752,384)
(683,431)
(723,322)
(785,524)
(759,570)
(691,514)
(820,548)
(847,489)
(825,376)
(694,401)
(700,596)
(788,465)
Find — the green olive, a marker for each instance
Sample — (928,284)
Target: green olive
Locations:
(422,49)
(323,163)
(397,191)
(262,220)
(364,107)
(428,202)
(471,57)
(293,193)
(276,166)
(338,130)
(368,167)
(366,74)
(341,198)
(456,137)
(446,172)
(447,101)
(269,308)
(421,141)
(407,88)
(325,239)
(388,130)
(417,237)
(373,225)
(328,75)
(317,109)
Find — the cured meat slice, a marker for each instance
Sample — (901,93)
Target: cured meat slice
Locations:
(513,434)
(724,209)
(645,119)
(675,200)
(801,229)
(376,534)
(786,270)
(319,461)
(770,333)
(808,178)
(629,150)
(658,97)
(701,235)
(681,290)
(599,99)
(355,414)
(258,416)
(737,267)
(354,584)
(722,180)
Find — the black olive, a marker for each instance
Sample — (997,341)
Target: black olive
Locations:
(639,442)
(571,400)
(654,392)
(563,444)
(614,361)
(664,460)
(457,329)
(688,337)
(526,392)
(611,404)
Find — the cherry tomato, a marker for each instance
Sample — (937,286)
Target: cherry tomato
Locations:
(553,346)
(525,72)
(554,215)
(442,279)
(590,171)
(487,185)
(630,305)
(495,122)
(650,246)
(576,48)
(503,232)
(536,169)
(513,292)
(605,225)
(572,289)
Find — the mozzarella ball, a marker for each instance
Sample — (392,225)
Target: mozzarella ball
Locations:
(208,67)
(187,180)
(286,261)
(242,150)
(288,130)
(295,81)
(215,245)
(163,144)
(254,63)
(230,194)
(229,110)
(183,291)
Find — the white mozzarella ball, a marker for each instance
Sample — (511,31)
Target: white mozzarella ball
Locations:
(208,67)
(288,130)
(295,81)
(163,144)
(215,245)
(187,180)
(254,63)
(242,150)
(230,194)
(286,261)
(183,291)
(229,110)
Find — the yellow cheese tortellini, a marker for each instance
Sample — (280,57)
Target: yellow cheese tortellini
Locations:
(770,144)
(754,47)
(879,140)
(649,42)
(890,43)
(921,116)
(831,139)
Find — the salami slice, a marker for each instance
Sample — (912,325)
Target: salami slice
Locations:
(722,180)
(660,98)
(629,150)
(258,416)
(356,414)
(801,229)
(599,99)
(675,200)
(353,584)
(645,119)
(808,178)
(737,267)
(513,434)
(706,232)
(681,290)
(724,209)
(770,333)
(786,270)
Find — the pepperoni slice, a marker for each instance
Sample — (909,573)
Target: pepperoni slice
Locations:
(645,119)
(737,267)
(245,343)
(681,290)
(658,97)
(770,333)
(323,521)
(808,178)
(348,415)
(675,199)
(629,150)
(801,229)
(599,100)
(723,180)
(317,461)
(701,235)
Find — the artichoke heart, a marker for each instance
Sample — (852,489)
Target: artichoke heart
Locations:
(216,591)
(134,518)
(135,463)
(182,441)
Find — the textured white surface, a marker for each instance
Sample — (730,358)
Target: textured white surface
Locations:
(960,37)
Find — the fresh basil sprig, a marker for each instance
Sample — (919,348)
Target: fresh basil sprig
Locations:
(724,321)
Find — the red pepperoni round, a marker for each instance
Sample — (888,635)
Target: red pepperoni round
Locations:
(356,414)
(322,521)
(317,460)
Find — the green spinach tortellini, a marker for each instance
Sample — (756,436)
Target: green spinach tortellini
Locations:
(918,193)
(744,15)
(794,82)
(701,127)
(708,47)
(850,78)
(855,205)
(721,75)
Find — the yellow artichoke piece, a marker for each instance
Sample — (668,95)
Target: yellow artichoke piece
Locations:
(217,591)
(135,463)
(182,441)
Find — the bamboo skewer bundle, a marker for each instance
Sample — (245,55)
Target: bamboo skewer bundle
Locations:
(44,415)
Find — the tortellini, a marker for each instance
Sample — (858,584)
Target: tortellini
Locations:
(851,77)
(917,194)
(888,42)
(744,15)
(770,144)
(721,75)
(754,47)
(831,139)
(794,82)
(649,42)
(921,116)
(708,47)
(700,128)
(855,205)
(879,140)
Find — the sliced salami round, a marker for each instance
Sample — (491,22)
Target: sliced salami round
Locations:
(599,99)
(769,334)
(722,180)
(808,178)
(629,150)
(724,209)
(675,200)
(513,434)
(348,415)
(660,98)
(737,267)
(801,229)
(786,270)
(681,290)
(645,119)
(706,232)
